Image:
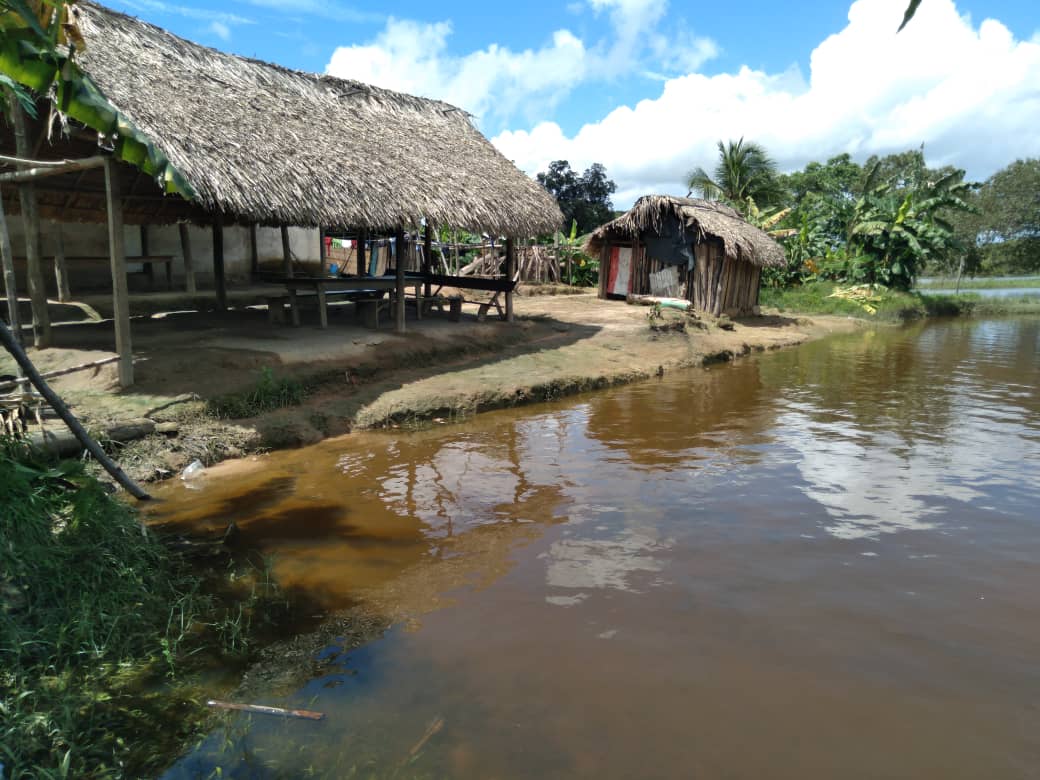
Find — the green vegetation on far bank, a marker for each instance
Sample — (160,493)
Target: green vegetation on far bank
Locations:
(885,305)
(101,626)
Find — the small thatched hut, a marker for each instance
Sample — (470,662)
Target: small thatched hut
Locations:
(700,249)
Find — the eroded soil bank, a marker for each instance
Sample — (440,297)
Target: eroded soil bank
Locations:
(356,378)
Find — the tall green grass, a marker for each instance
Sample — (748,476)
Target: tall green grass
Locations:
(97,619)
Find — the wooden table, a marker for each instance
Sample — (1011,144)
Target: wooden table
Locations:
(322,287)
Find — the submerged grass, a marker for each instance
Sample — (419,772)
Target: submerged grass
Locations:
(892,305)
(98,625)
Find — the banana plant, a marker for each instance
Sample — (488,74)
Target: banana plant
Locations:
(39,40)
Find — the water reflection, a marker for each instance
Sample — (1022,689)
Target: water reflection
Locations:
(813,563)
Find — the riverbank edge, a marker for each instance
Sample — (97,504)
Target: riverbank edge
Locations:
(449,382)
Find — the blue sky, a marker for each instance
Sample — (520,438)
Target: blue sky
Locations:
(647,87)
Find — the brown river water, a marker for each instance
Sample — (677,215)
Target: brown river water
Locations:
(815,563)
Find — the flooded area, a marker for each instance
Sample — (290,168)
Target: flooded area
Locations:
(817,562)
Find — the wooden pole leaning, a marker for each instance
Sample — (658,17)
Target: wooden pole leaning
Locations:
(117,258)
(69,419)
(399,255)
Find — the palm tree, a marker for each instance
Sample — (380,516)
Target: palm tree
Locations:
(745,171)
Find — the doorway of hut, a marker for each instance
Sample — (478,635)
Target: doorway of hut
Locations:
(619,272)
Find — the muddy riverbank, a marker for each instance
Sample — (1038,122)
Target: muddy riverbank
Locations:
(352,378)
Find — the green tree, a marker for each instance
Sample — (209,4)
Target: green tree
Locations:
(744,171)
(584,199)
(824,194)
(1009,224)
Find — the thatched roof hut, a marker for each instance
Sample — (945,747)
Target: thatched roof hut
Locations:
(264,144)
(702,247)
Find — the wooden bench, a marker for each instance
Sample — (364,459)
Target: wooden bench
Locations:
(496,285)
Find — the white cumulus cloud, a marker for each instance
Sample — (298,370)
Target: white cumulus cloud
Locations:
(412,57)
(970,92)
(499,83)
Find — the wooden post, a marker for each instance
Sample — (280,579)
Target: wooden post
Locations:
(510,273)
(427,258)
(254,253)
(399,268)
(286,253)
(189,261)
(31,223)
(61,271)
(218,262)
(148,267)
(120,293)
(321,250)
(362,239)
(10,284)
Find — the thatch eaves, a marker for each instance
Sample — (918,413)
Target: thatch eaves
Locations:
(265,144)
(700,219)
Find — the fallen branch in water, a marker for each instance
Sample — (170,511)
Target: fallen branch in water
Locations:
(265,710)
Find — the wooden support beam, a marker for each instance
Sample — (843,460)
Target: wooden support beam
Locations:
(510,273)
(254,252)
(10,285)
(61,271)
(36,169)
(149,269)
(362,239)
(189,260)
(120,292)
(427,257)
(286,253)
(399,254)
(219,279)
(31,224)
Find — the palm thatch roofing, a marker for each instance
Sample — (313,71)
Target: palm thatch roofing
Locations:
(700,220)
(262,143)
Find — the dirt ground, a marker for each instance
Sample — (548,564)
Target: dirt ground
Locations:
(357,378)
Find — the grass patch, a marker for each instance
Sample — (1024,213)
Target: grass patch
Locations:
(892,305)
(981,283)
(269,393)
(99,625)
(969,304)
(816,298)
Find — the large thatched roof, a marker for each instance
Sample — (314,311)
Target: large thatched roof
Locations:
(266,144)
(698,219)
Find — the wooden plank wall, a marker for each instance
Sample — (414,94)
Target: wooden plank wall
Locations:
(722,285)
